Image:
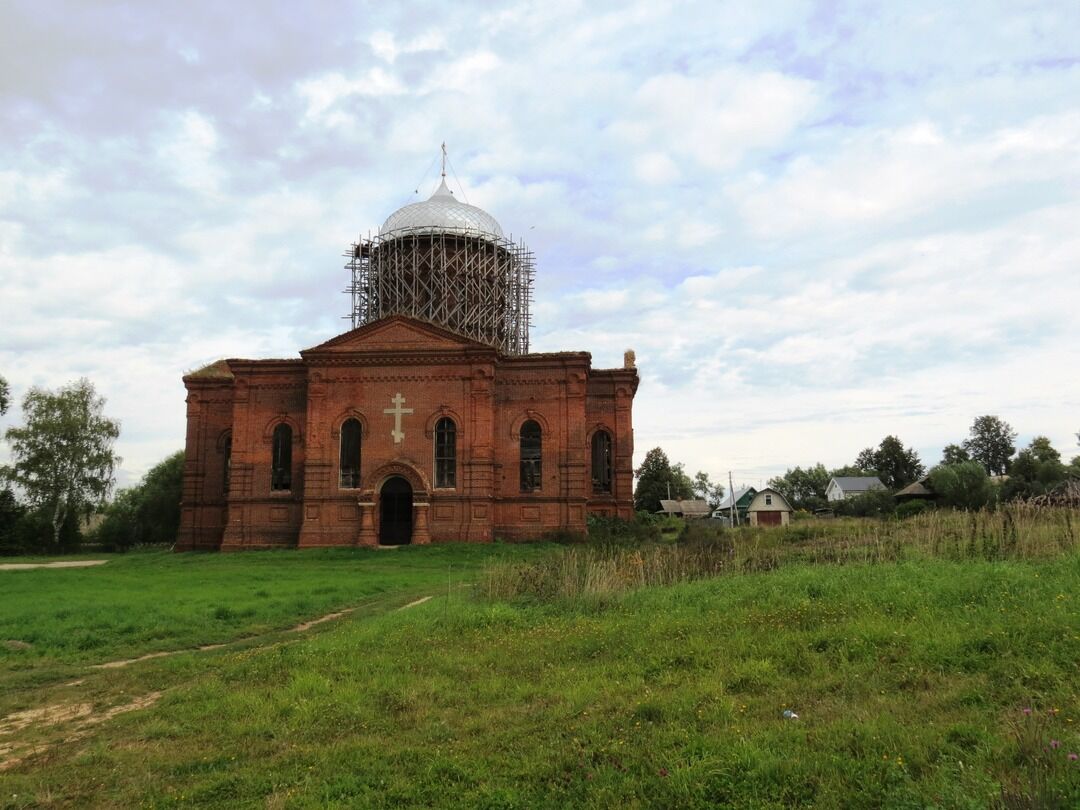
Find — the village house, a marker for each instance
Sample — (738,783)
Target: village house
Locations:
(843,487)
(741,498)
(769,508)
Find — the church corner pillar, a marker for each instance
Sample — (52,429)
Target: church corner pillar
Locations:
(421,535)
(367,536)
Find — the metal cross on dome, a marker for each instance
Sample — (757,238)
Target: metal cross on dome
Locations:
(397,412)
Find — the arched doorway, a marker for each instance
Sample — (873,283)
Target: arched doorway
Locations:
(395,512)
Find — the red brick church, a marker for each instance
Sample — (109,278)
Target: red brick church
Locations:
(429,421)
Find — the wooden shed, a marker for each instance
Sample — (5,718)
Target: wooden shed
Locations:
(695,509)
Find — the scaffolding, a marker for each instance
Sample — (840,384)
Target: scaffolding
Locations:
(475,284)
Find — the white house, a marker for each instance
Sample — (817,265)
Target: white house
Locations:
(769,508)
(850,487)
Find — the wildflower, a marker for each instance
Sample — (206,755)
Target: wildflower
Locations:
(1073,756)
(1055,744)
(664,771)
(1027,711)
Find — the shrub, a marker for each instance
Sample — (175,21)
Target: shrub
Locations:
(875,503)
(605,530)
(1018,531)
(962,486)
(911,508)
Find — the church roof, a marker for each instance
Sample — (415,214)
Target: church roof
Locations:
(219,370)
(403,332)
(441,213)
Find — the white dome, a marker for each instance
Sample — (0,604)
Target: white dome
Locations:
(441,213)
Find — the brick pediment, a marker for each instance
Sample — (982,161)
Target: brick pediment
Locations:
(394,335)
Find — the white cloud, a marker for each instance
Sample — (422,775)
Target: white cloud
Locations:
(815,227)
(715,119)
(385,45)
(187,151)
(880,176)
(327,93)
(656,168)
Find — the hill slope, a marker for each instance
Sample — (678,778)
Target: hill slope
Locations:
(911,682)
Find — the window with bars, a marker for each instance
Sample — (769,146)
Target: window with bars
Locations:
(349,455)
(446,453)
(531,452)
(281,460)
(601,462)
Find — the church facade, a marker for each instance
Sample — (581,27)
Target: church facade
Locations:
(429,421)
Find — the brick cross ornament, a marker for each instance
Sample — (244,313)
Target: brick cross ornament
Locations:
(397,411)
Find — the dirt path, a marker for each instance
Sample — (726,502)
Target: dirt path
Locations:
(61,564)
(303,627)
(73,721)
(80,716)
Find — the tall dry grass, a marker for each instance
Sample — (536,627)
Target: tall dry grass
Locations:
(1018,531)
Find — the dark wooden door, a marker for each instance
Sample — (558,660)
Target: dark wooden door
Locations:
(395,512)
(769,518)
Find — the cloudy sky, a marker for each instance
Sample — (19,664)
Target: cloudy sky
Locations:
(816,223)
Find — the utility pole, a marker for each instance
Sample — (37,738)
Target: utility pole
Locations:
(733,516)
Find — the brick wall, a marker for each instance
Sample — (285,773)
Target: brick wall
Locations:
(358,375)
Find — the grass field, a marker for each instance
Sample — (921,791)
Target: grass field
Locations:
(146,602)
(918,683)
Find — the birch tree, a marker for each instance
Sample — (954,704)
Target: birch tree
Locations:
(62,457)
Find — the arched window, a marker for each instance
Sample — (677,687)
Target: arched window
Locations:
(446,453)
(349,457)
(601,462)
(226,461)
(531,446)
(281,460)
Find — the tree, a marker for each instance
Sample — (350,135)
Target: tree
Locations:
(866,460)
(803,489)
(1042,450)
(5,396)
(159,503)
(896,465)
(961,486)
(11,514)
(851,471)
(707,490)
(991,444)
(148,512)
(63,455)
(654,476)
(954,454)
(1036,470)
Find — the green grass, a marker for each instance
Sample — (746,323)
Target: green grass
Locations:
(146,602)
(910,679)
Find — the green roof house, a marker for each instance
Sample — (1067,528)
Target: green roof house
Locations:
(743,497)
